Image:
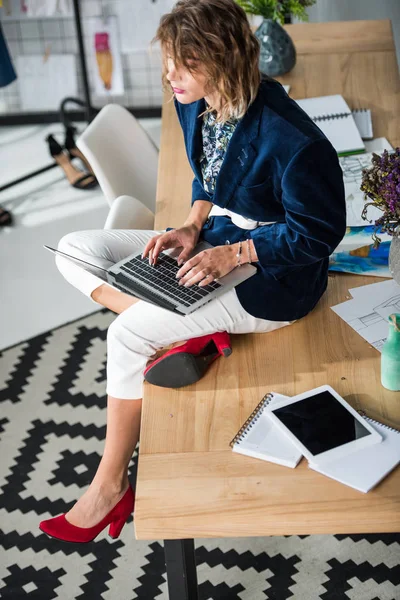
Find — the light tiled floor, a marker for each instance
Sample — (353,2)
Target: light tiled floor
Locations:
(33,295)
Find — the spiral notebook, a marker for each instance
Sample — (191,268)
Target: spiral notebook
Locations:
(335,119)
(364,469)
(362,117)
(260,438)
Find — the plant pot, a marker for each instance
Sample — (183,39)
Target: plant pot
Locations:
(277,51)
(394,257)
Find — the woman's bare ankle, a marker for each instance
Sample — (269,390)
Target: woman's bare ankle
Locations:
(110,486)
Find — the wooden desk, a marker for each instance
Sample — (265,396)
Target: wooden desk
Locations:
(189,483)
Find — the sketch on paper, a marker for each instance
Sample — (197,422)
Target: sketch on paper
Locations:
(105,56)
(44,84)
(368,314)
(138,22)
(352,167)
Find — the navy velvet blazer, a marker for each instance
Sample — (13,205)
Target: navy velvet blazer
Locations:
(278,166)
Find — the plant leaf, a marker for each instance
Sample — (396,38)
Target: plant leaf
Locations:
(277,9)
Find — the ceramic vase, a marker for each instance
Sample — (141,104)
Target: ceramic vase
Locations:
(394,257)
(277,51)
(390,358)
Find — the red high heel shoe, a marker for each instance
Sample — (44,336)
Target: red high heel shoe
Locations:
(61,529)
(186,364)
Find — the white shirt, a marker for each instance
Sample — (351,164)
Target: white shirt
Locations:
(238,220)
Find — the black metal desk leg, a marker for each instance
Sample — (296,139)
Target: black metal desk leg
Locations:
(181,569)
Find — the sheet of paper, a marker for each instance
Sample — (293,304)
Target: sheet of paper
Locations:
(356,254)
(43,84)
(358,238)
(48,8)
(355,204)
(378,145)
(380,290)
(368,312)
(106,65)
(352,167)
(138,21)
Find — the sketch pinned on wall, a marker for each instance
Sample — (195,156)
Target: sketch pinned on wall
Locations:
(46,8)
(56,76)
(138,22)
(105,56)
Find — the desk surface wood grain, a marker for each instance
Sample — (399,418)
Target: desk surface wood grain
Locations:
(190,483)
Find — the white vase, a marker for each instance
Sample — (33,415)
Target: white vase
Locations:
(394,257)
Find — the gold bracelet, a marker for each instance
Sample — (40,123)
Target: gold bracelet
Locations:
(239,254)
(248,249)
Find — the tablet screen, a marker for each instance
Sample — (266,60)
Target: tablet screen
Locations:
(321,422)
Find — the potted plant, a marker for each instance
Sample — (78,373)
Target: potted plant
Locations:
(381,184)
(277,51)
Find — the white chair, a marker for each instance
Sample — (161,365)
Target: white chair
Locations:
(125,162)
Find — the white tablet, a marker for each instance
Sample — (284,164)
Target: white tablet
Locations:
(322,425)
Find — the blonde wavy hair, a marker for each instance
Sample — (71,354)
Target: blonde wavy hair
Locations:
(218,35)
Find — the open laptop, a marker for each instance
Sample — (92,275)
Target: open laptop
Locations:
(158,284)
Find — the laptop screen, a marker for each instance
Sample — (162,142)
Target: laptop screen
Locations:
(99,272)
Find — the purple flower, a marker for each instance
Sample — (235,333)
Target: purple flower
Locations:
(381,184)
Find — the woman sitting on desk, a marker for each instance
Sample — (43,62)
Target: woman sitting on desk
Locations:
(267,189)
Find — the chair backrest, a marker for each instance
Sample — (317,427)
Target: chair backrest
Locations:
(123,157)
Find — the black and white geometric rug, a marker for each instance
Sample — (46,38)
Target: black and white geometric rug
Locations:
(52,426)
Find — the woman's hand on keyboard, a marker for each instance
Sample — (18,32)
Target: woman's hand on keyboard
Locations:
(208,266)
(185,237)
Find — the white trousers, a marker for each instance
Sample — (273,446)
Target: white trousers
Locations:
(142,329)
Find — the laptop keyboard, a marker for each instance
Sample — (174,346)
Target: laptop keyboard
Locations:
(162,278)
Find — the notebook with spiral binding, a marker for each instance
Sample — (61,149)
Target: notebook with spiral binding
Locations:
(334,117)
(260,438)
(364,469)
(362,117)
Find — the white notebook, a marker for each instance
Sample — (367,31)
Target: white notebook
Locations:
(334,117)
(260,438)
(364,469)
(362,117)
